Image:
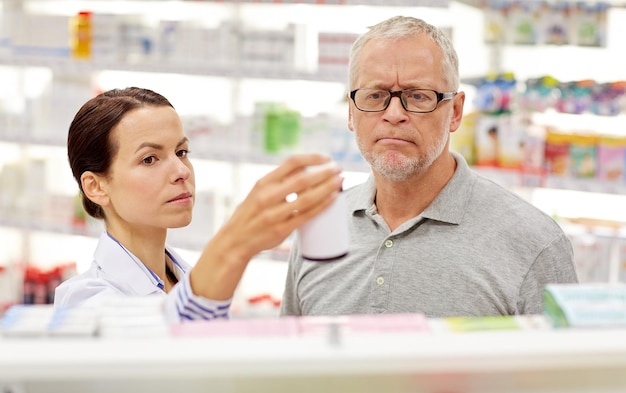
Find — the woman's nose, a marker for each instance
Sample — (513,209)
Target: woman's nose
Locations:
(182,170)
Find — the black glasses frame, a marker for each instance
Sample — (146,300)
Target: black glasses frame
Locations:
(398,93)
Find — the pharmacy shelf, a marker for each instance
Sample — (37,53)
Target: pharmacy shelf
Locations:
(230,155)
(512,178)
(35,224)
(386,3)
(67,65)
(612,3)
(572,361)
(94,229)
(373,3)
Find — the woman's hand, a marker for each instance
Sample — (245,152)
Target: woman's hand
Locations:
(279,202)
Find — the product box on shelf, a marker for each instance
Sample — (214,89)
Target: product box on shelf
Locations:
(490,323)
(5,36)
(32,321)
(620,265)
(586,305)
(582,151)
(333,51)
(592,257)
(463,140)
(36,36)
(332,326)
(611,156)
(557,157)
(487,134)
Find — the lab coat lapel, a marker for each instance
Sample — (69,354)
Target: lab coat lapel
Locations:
(118,265)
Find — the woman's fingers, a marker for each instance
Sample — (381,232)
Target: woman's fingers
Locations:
(295,163)
(290,179)
(314,199)
(282,201)
(298,197)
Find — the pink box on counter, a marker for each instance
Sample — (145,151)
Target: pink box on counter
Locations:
(245,327)
(374,323)
(302,326)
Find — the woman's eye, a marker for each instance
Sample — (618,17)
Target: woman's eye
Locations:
(182,153)
(148,160)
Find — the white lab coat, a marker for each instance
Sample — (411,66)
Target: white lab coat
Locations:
(115,271)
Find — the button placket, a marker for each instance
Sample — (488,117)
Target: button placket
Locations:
(380,284)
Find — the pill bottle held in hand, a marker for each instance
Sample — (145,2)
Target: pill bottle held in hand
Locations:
(326,237)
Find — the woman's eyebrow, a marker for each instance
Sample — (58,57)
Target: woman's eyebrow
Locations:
(159,146)
(149,144)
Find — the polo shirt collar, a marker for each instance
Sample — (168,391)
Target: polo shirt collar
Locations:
(449,206)
(365,199)
(452,202)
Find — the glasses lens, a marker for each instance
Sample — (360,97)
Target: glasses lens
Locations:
(414,100)
(371,99)
(417,100)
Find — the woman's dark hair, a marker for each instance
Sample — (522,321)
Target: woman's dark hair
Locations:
(89,145)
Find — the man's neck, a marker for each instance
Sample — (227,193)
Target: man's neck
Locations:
(400,201)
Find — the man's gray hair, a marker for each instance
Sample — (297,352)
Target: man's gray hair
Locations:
(399,27)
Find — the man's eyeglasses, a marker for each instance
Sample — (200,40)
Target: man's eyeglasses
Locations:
(413,100)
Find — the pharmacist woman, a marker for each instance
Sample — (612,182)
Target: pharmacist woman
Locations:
(129,155)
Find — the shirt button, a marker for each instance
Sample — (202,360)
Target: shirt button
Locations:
(380,281)
(388,243)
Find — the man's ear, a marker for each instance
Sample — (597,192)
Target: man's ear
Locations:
(94,188)
(350,118)
(457,114)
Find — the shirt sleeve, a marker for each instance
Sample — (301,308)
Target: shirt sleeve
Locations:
(182,305)
(555,265)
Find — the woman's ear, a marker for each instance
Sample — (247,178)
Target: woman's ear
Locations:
(94,188)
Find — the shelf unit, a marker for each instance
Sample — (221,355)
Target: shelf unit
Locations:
(573,361)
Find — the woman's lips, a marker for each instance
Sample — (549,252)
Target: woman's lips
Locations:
(181,198)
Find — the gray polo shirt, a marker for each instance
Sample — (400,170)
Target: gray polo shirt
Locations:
(477,250)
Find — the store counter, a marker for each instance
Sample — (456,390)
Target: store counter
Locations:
(328,355)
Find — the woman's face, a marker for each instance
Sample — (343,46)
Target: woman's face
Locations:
(151,180)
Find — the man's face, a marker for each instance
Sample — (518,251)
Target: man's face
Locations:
(398,143)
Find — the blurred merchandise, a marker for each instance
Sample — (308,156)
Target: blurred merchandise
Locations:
(81,35)
(586,306)
(540,22)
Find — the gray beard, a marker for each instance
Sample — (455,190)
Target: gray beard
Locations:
(399,168)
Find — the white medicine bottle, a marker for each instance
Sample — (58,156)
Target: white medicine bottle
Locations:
(326,237)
